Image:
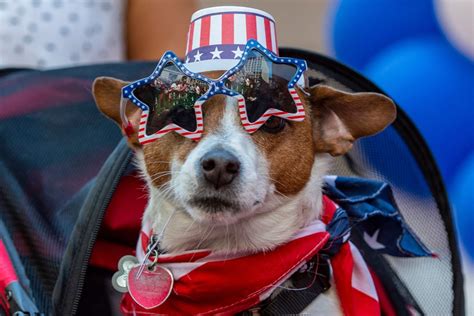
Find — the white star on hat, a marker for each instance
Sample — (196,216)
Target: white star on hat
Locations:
(197,57)
(216,54)
(238,53)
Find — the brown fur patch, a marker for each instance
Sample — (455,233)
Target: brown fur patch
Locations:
(334,120)
(290,153)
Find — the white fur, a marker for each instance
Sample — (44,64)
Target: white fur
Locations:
(265,219)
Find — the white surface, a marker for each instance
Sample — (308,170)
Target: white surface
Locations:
(224,9)
(457,21)
(468,267)
(58,33)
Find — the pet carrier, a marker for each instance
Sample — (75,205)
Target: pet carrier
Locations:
(63,165)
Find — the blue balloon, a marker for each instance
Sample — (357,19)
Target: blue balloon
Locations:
(463,200)
(434,84)
(363,28)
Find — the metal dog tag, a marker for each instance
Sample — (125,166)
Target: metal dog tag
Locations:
(120,278)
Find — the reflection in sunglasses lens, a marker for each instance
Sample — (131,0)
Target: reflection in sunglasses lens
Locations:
(264,85)
(171,98)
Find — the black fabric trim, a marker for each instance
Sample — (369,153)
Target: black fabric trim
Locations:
(306,287)
(294,301)
(8,71)
(419,149)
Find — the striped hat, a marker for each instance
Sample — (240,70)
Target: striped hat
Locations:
(217,36)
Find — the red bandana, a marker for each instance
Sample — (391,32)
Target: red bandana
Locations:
(208,282)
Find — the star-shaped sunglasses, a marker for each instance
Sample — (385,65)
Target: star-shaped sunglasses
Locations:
(171,97)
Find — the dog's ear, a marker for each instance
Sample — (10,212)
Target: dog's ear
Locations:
(340,118)
(107,94)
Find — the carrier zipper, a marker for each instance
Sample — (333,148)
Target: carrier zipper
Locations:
(90,246)
(99,197)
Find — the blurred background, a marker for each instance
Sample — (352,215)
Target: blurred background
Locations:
(421,52)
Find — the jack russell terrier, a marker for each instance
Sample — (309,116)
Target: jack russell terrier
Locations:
(233,147)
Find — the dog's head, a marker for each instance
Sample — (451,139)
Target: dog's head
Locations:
(229,174)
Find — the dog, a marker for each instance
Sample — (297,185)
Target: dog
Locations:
(238,192)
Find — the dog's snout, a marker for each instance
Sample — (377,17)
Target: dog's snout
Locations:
(220,167)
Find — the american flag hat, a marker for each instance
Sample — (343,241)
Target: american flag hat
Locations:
(217,36)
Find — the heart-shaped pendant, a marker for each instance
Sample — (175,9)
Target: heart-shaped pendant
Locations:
(153,286)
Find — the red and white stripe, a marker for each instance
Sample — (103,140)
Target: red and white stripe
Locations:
(143,138)
(251,127)
(233,26)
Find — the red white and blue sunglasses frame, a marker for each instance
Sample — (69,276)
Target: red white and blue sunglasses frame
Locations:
(216,86)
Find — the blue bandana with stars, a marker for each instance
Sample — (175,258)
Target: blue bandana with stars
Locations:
(369,206)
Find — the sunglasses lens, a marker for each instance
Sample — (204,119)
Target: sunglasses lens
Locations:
(264,85)
(170,98)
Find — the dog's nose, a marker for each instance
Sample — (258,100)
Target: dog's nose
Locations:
(220,167)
